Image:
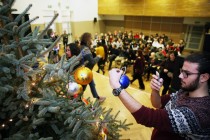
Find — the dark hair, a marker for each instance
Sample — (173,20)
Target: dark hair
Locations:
(139,53)
(203,61)
(49,31)
(74,48)
(174,52)
(85,39)
(103,42)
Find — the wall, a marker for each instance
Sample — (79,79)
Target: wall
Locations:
(113,23)
(172,8)
(43,9)
(78,13)
(78,28)
(83,13)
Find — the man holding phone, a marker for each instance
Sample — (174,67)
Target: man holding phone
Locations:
(181,115)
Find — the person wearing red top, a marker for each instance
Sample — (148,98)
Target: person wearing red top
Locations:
(181,115)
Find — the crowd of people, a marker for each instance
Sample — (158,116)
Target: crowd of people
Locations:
(146,55)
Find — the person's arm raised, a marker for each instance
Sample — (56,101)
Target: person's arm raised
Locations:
(130,103)
(156,84)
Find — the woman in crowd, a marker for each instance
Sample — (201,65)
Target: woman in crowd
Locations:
(85,45)
(71,50)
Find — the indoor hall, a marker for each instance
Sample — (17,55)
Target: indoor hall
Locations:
(188,21)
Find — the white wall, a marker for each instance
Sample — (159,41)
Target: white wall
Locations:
(75,10)
(84,10)
(43,9)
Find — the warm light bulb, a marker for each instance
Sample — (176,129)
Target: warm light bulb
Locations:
(33,84)
(3,125)
(97,124)
(26,106)
(10,120)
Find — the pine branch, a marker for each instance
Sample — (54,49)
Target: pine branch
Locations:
(4,9)
(48,26)
(25,24)
(19,17)
(2,17)
(50,48)
(23,31)
(9,25)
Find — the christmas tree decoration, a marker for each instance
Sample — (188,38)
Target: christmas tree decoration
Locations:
(85,101)
(83,75)
(105,130)
(124,81)
(75,95)
(34,99)
(80,90)
(72,88)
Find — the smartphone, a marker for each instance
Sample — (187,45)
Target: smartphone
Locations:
(157,74)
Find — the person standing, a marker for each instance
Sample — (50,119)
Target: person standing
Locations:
(114,52)
(180,115)
(167,70)
(86,44)
(65,39)
(138,69)
(102,51)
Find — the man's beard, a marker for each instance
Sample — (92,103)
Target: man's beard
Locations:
(193,86)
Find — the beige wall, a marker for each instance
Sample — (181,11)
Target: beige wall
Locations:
(172,8)
(59,30)
(78,28)
(171,26)
(112,25)
(41,26)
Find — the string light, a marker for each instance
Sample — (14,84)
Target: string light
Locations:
(104,136)
(26,106)
(3,125)
(97,124)
(10,120)
(33,84)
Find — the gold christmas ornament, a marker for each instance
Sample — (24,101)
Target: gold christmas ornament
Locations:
(83,75)
(80,90)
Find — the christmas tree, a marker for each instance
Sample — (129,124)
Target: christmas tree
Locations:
(40,100)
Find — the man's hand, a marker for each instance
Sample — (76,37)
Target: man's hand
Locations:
(114,77)
(156,83)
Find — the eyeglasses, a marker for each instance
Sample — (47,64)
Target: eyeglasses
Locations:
(186,73)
